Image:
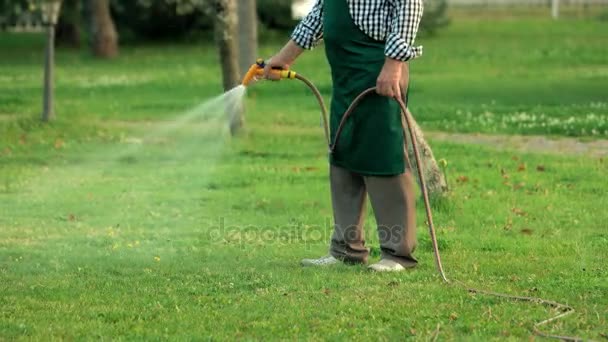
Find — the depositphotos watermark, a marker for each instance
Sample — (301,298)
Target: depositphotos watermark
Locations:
(222,232)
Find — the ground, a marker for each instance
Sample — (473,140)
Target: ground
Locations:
(117,223)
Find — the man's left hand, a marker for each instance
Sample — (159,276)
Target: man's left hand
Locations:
(388,83)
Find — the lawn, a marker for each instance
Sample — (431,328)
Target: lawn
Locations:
(116,224)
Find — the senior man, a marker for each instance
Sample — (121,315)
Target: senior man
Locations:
(367,43)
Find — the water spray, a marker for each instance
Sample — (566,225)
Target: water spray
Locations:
(256,72)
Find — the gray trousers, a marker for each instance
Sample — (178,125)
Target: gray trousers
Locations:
(393,202)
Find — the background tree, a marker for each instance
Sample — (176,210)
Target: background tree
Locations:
(104,38)
(225,25)
(435,16)
(69,25)
(248,34)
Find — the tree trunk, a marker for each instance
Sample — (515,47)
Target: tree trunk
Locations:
(226,39)
(68,28)
(104,35)
(248,34)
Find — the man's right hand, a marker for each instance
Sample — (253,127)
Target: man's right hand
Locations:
(275,62)
(282,60)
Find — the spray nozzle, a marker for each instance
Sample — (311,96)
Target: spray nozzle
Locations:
(256,71)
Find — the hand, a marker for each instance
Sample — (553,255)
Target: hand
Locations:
(282,60)
(276,62)
(389,81)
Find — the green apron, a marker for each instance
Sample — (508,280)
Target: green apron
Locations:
(371,142)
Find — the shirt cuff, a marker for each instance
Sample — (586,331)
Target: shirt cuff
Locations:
(303,36)
(397,48)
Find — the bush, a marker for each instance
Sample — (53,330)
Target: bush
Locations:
(276,14)
(160,19)
(435,16)
(177,19)
(11,10)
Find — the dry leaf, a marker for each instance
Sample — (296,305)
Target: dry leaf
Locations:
(540,168)
(526,231)
(521,167)
(462,179)
(504,173)
(508,225)
(453,316)
(518,212)
(59,143)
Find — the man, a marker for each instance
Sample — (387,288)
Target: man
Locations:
(367,43)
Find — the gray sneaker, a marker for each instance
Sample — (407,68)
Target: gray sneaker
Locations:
(386,265)
(327,260)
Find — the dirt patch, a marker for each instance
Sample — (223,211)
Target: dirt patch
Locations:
(525,143)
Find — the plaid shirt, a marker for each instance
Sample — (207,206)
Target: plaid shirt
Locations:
(393,21)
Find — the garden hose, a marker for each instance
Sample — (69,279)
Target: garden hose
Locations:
(564,309)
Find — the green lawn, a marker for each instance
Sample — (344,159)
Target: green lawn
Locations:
(115,224)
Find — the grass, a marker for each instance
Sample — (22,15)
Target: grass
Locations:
(188,235)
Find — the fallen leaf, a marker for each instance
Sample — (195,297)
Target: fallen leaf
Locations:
(540,168)
(504,173)
(521,167)
(58,143)
(326,291)
(518,212)
(71,217)
(515,158)
(508,225)
(393,283)
(23,139)
(453,316)
(462,179)
(526,231)
(519,185)
(413,331)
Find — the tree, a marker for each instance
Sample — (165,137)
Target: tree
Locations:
(248,34)
(68,28)
(225,25)
(104,38)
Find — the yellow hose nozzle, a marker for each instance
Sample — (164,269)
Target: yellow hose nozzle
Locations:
(257,71)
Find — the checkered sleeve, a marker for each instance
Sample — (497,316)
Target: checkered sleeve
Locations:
(310,30)
(402,30)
